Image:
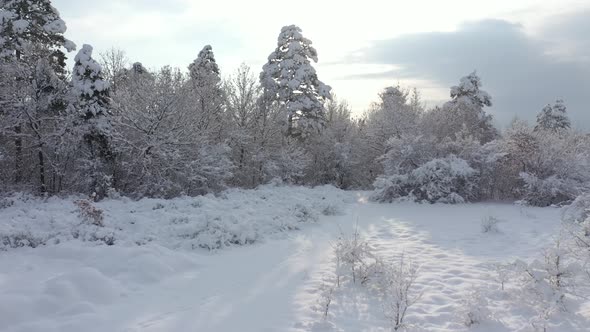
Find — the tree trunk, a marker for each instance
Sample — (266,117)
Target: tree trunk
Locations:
(43,187)
(18,161)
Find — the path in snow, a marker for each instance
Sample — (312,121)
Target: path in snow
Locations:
(271,286)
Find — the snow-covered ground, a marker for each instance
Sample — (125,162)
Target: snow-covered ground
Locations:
(158,276)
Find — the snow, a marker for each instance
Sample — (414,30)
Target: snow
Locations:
(171,283)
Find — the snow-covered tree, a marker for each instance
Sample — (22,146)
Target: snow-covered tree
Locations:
(32,63)
(113,63)
(543,167)
(392,117)
(331,155)
(162,155)
(464,112)
(90,92)
(289,79)
(242,91)
(553,118)
(27,24)
(207,93)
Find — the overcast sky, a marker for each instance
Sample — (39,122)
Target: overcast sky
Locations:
(528,52)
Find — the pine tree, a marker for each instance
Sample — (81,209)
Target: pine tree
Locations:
(91,93)
(553,118)
(289,79)
(27,24)
(464,113)
(205,84)
(31,57)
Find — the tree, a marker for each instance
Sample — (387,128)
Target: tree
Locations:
(205,84)
(92,102)
(242,91)
(28,23)
(553,118)
(113,63)
(464,112)
(392,117)
(33,66)
(289,79)
(331,150)
(162,155)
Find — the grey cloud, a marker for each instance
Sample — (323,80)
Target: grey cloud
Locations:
(520,72)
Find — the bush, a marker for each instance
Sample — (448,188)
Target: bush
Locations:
(354,254)
(397,286)
(20,240)
(489,224)
(89,213)
(446,180)
(548,191)
(578,211)
(475,309)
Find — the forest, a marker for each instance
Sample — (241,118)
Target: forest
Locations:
(111,127)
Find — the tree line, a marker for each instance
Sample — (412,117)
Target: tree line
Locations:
(111,127)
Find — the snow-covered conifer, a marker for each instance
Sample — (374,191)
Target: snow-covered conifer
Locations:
(27,24)
(289,79)
(33,64)
(205,84)
(553,118)
(90,92)
(464,112)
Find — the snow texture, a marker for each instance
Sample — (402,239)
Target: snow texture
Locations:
(164,282)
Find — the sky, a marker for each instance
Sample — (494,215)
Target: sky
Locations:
(528,53)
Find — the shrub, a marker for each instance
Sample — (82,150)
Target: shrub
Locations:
(548,191)
(353,253)
(89,213)
(445,180)
(489,224)
(397,286)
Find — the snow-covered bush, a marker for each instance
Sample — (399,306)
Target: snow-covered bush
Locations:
(235,217)
(89,213)
(354,254)
(94,233)
(20,239)
(216,233)
(397,288)
(331,210)
(489,224)
(444,180)
(545,284)
(327,290)
(548,191)
(304,213)
(578,211)
(392,282)
(474,309)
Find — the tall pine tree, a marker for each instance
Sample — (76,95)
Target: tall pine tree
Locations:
(205,84)
(91,101)
(33,64)
(289,79)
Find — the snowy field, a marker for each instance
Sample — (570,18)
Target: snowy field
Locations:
(262,260)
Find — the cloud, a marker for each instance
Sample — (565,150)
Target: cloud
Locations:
(522,72)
